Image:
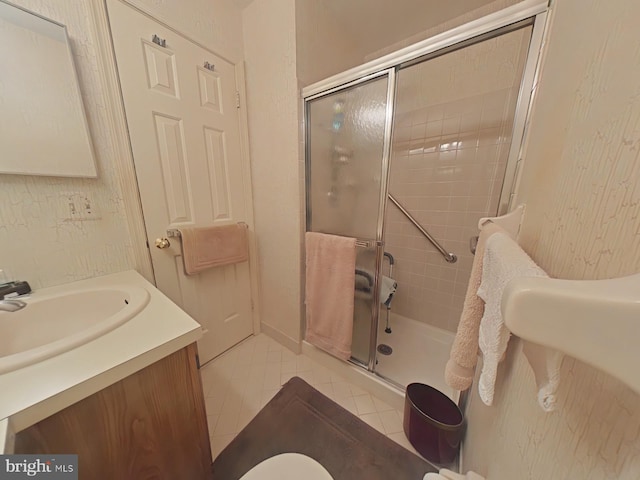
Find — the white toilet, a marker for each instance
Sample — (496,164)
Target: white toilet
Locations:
(288,466)
(294,466)
(445,474)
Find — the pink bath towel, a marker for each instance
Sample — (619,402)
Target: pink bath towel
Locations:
(458,373)
(207,247)
(330,285)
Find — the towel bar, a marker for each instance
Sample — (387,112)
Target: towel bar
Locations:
(368,243)
(174,232)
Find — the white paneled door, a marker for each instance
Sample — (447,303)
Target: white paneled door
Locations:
(181,106)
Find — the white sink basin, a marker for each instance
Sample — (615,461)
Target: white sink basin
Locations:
(53,324)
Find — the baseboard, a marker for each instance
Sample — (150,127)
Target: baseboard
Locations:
(358,376)
(281,338)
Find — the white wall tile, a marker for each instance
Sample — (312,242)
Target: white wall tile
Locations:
(447,179)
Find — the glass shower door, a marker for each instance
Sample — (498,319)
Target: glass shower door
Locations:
(454,120)
(348,137)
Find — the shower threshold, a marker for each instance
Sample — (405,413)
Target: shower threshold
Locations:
(357,373)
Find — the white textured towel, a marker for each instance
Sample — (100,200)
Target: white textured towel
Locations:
(460,368)
(503,261)
(388,287)
(364,286)
(545,363)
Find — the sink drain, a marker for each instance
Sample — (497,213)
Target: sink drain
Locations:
(385,349)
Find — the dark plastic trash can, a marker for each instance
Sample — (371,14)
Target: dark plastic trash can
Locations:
(433,423)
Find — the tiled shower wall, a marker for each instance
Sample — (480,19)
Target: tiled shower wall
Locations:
(452,133)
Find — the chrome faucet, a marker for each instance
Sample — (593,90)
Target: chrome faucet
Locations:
(11,305)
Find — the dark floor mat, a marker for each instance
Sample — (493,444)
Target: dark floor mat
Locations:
(300,419)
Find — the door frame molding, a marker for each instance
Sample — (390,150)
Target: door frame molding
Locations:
(254,268)
(119,141)
(124,165)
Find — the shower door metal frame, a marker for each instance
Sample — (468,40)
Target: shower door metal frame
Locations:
(516,13)
(382,204)
(390,73)
(536,12)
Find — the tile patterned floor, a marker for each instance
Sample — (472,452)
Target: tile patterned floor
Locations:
(241,381)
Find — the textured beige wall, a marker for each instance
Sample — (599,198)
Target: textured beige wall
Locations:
(581,185)
(324,46)
(272,91)
(36,244)
(471,15)
(216,24)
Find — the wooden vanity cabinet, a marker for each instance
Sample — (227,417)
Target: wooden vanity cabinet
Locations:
(150,425)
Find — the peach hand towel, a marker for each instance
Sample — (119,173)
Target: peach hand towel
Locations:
(330,285)
(458,373)
(207,247)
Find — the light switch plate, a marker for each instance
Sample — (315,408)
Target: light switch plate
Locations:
(77,206)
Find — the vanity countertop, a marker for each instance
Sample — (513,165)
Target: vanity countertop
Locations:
(35,392)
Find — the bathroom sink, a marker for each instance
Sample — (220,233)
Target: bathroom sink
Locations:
(53,324)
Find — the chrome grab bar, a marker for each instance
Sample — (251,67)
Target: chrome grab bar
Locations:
(449,257)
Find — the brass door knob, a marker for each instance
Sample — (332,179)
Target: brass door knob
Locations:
(162,242)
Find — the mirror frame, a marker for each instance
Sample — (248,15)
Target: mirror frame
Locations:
(86,164)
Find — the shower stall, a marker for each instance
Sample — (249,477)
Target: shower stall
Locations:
(406,154)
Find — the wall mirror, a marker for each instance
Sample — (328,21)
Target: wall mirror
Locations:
(43,127)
